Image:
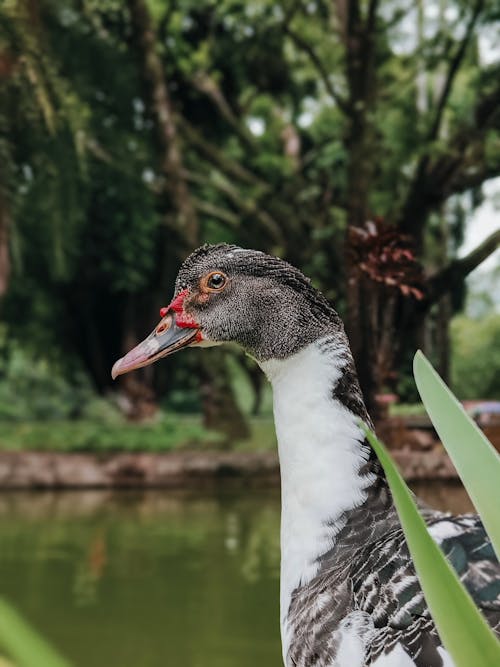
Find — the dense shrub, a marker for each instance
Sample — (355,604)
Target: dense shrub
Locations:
(476,357)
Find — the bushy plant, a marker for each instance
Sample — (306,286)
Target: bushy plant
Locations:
(34,388)
(30,389)
(476,357)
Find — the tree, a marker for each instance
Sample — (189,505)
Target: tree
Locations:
(317,131)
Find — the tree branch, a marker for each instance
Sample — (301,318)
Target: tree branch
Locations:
(426,191)
(208,86)
(320,68)
(398,16)
(248,206)
(453,274)
(342,12)
(467,152)
(372,15)
(218,157)
(5,223)
(144,38)
(452,170)
(473,176)
(222,214)
(453,69)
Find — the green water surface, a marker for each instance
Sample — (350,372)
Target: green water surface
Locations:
(153,579)
(146,580)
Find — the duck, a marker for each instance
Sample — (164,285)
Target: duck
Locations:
(349,593)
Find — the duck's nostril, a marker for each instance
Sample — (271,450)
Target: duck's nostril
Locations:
(161,328)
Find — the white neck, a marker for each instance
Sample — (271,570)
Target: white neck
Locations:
(320,457)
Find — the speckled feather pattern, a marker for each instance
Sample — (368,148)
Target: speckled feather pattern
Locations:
(358,603)
(370,579)
(269,307)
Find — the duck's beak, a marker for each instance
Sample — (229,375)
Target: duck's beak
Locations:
(166,338)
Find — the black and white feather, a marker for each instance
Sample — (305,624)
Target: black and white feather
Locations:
(349,593)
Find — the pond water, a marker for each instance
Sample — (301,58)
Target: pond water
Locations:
(152,579)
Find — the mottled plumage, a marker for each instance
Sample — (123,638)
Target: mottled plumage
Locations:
(374,584)
(349,593)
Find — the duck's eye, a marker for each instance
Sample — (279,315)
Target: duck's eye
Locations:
(216,280)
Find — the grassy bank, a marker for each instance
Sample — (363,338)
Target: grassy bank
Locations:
(168,433)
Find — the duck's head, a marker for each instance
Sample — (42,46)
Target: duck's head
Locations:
(224,293)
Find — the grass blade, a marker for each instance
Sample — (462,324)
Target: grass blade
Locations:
(23,644)
(464,632)
(474,457)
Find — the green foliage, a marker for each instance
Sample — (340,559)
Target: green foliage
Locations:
(406,409)
(100,436)
(476,357)
(43,409)
(267,150)
(32,389)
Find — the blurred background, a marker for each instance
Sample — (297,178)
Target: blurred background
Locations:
(359,140)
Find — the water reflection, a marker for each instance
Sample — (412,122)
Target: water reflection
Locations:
(153,578)
(146,579)
(445,496)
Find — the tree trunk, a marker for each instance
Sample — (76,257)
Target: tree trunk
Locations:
(4,241)
(220,408)
(139,398)
(380,339)
(256,378)
(360,44)
(443,337)
(361,312)
(185,222)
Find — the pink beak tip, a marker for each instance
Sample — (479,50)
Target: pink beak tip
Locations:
(115,371)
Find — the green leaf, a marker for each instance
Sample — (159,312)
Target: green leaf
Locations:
(464,632)
(23,644)
(474,457)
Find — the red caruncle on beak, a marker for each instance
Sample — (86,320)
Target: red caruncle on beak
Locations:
(182,319)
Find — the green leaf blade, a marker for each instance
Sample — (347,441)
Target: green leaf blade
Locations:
(24,645)
(474,457)
(463,630)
